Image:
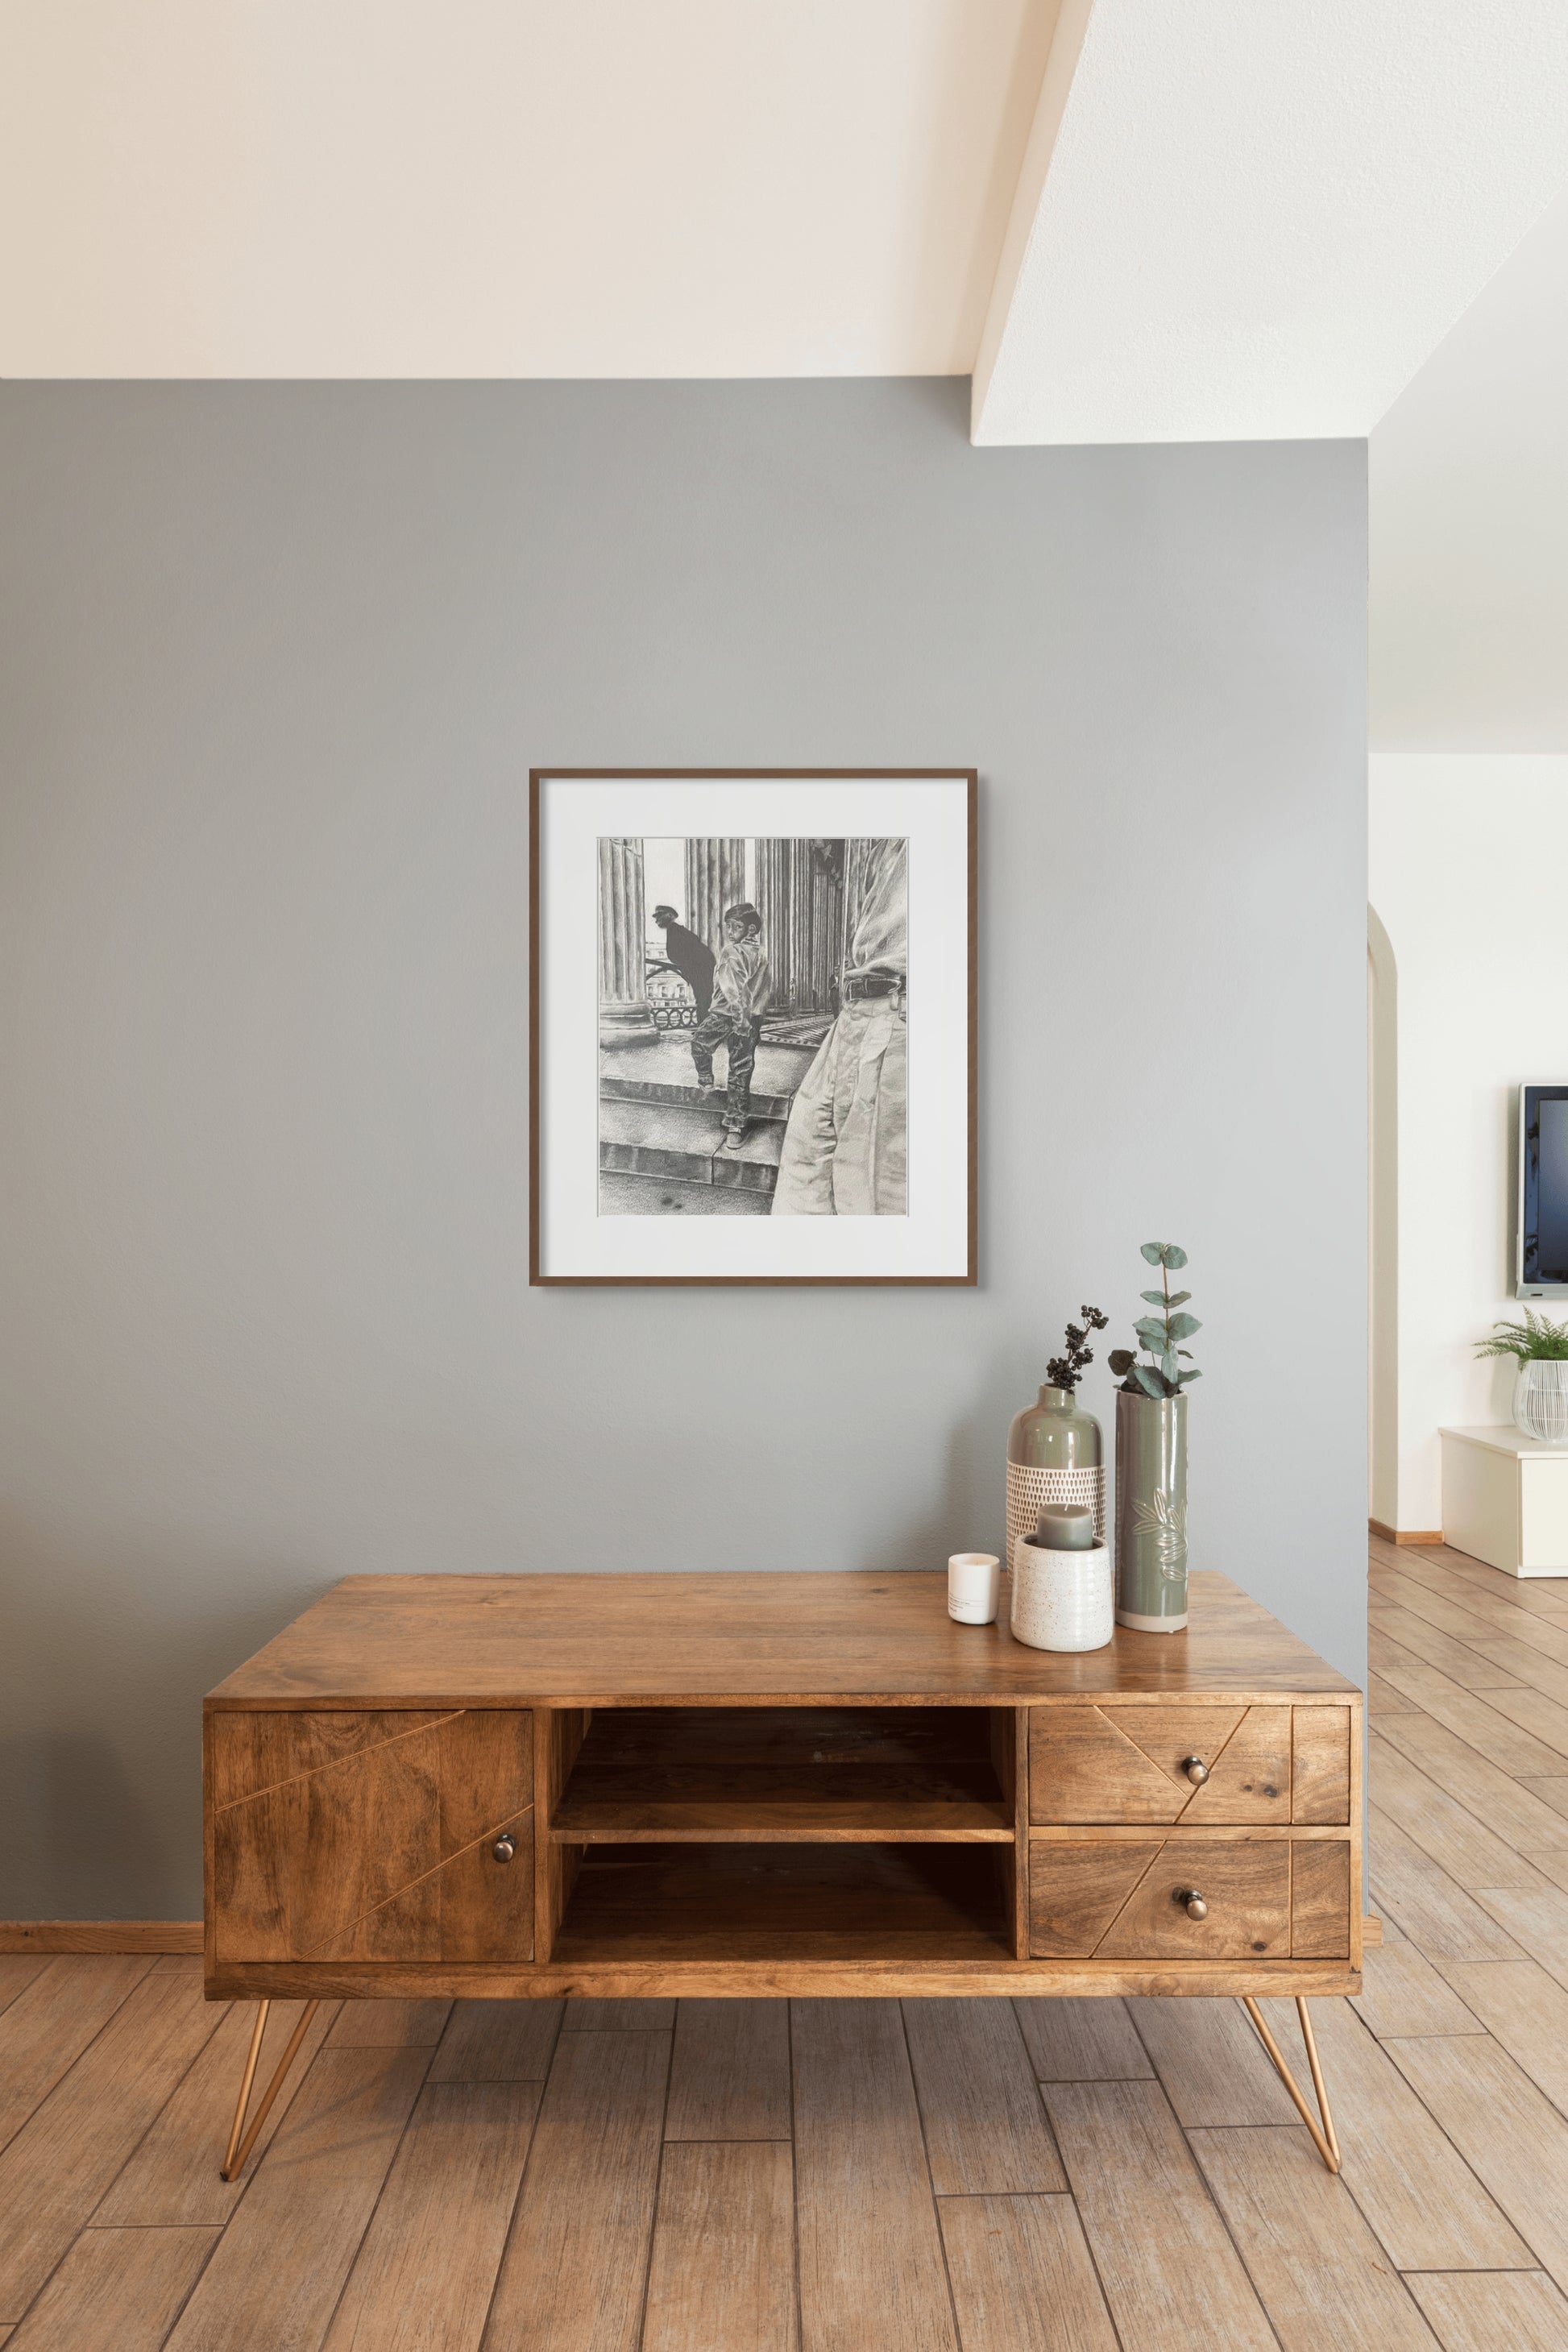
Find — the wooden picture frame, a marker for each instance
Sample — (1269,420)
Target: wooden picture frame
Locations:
(839,1144)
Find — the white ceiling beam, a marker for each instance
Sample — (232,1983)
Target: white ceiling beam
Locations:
(1253,220)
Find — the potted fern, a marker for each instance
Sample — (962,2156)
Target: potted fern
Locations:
(1540,1349)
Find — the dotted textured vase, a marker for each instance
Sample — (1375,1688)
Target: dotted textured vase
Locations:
(1030,1488)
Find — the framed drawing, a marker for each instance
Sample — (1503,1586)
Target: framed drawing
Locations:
(752,1026)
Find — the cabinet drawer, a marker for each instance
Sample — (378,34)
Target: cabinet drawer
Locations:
(1202,1766)
(1125,1899)
(371,1835)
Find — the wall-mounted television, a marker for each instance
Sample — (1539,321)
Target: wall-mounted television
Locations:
(1540,1248)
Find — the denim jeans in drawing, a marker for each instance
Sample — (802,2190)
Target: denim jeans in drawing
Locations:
(721,1025)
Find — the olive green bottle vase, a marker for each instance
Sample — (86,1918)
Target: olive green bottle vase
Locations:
(1055,1454)
(1151,1513)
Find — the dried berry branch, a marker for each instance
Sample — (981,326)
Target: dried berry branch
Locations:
(1065,1371)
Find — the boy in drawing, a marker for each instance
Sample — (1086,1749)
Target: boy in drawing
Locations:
(742,986)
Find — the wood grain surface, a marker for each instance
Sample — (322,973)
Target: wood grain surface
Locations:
(1401,1992)
(171,2181)
(45,1937)
(984,2128)
(1123,1900)
(1320,1900)
(116,2291)
(425,2264)
(17,1972)
(1022,2275)
(1509,2133)
(729,2077)
(872,2276)
(1317,2267)
(385,1984)
(1076,1890)
(1249,1778)
(797,1636)
(1177,2285)
(1213,2068)
(1244,1883)
(498,2042)
(1320,1765)
(68,2153)
(1430,2211)
(50,2021)
(722,2269)
(1494,2311)
(281,2264)
(1075,2040)
(573,2277)
(1523,2009)
(1085,1766)
(594,2015)
(247,1753)
(390,2024)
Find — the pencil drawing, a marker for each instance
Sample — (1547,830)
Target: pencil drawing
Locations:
(753,1007)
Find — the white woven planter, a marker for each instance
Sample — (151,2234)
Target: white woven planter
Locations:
(1540,1400)
(1063,1599)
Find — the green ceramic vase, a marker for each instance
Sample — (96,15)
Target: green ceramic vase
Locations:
(1151,1513)
(1055,1454)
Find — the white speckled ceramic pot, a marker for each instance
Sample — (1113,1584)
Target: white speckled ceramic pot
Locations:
(1062,1600)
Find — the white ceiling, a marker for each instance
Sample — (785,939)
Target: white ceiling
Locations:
(507,187)
(1253,220)
(1202,219)
(1469,525)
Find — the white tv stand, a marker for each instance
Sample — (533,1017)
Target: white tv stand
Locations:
(1505,1499)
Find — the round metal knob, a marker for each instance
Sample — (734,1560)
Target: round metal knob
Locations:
(504,1847)
(1192,1902)
(1196,1771)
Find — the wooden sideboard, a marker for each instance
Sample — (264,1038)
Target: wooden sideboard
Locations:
(790,1783)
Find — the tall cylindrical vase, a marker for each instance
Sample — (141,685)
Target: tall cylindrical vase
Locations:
(1152,1512)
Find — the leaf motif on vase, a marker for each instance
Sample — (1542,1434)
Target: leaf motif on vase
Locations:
(1162,1521)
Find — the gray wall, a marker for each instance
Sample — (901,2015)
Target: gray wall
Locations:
(274,662)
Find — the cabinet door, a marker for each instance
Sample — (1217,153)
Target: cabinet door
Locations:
(1122,1766)
(371,1835)
(1544,1518)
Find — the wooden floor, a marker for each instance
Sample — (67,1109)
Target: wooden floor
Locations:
(850,2176)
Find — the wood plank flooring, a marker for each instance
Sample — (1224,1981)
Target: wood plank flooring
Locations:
(937,2175)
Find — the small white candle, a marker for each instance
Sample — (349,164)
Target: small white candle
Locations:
(973,1587)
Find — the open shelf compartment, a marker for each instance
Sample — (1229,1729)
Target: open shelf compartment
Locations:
(879,1775)
(776,1903)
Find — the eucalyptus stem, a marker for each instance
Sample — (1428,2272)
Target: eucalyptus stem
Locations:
(1161,1336)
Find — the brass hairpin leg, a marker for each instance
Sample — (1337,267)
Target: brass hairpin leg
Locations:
(1327,2146)
(238,2149)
